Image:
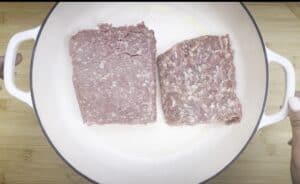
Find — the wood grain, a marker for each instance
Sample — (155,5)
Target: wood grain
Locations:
(26,156)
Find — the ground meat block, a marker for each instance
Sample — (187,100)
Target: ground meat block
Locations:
(197,81)
(114,72)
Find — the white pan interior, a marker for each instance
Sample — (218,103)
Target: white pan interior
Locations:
(153,153)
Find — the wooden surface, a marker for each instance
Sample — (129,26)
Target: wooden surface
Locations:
(27,157)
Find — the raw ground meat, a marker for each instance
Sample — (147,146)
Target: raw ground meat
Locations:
(197,82)
(114,72)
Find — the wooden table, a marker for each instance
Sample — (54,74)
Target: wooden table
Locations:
(26,156)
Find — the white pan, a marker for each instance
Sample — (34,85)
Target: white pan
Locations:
(153,153)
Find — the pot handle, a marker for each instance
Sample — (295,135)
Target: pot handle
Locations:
(290,84)
(9,64)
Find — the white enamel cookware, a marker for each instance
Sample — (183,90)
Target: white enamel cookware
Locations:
(153,153)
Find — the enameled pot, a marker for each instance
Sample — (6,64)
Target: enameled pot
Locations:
(153,153)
